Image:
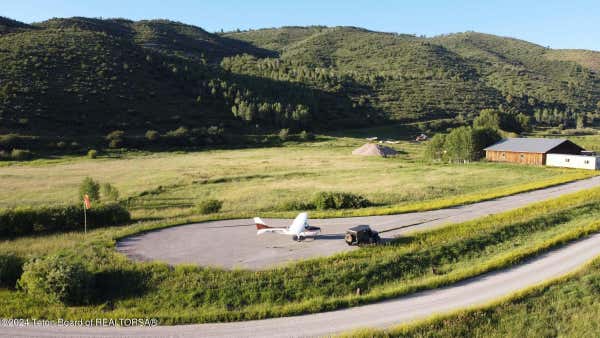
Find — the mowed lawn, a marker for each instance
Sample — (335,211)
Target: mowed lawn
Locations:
(263,179)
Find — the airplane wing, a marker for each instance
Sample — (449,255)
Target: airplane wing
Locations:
(262,228)
(275,230)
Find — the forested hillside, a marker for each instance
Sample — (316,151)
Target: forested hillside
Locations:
(416,77)
(69,84)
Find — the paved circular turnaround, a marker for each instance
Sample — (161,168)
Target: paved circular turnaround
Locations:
(471,292)
(234,243)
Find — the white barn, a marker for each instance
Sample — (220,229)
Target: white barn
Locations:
(573,161)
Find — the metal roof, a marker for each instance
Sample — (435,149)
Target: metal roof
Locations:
(527,145)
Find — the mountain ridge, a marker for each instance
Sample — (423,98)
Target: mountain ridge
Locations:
(70,76)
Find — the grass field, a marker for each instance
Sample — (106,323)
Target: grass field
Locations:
(163,188)
(569,307)
(262,180)
(188,294)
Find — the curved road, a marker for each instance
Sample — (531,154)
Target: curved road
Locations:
(471,292)
(233,243)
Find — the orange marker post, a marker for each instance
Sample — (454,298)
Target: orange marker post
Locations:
(86,206)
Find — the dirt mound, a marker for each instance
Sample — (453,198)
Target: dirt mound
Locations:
(374,149)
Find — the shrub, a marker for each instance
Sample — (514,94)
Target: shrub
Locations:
(178,137)
(306,136)
(339,200)
(115,138)
(20,154)
(179,132)
(57,279)
(90,187)
(108,192)
(209,206)
(28,220)
(152,135)
(11,268)
(284,134)
(92,153)
(297,205)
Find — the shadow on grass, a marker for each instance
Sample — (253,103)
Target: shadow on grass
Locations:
(118,284)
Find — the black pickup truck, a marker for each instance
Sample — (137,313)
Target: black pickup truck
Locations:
(361,234)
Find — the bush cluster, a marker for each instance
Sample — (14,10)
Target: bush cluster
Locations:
(16,155)
(57,279)
(89,187)
(32,220)
(109,192)
(339,200)
(209,206)
(328,200)
(461,145)
(297,205)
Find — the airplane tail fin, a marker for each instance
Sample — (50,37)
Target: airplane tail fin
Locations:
(260,224)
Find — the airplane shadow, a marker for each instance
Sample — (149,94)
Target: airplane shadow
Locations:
(330,237)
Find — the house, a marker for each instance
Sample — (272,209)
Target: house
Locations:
(530,150)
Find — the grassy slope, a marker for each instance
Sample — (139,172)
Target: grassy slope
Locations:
(194,294)
(498,66)
(86,69)
(568,307)
(164,35)
(586,58)
(276,39)
(518,68)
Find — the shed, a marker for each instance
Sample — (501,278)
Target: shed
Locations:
(372,149)
(573,161)
(529,150)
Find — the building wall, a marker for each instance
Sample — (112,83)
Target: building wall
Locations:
(573,161)
(515,157)
(566,147)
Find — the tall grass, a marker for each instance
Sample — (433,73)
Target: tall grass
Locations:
(567,307)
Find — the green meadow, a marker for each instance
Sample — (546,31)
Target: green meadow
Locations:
(248,181)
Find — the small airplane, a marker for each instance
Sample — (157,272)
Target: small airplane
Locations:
(299,228)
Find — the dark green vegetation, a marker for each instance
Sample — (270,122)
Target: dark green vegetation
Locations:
(461,145)
(11,268)
(567,308)
(67,85)
(25,221)
(56,280)
(412,77)
(198,294)
(209,206)
(326,200)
